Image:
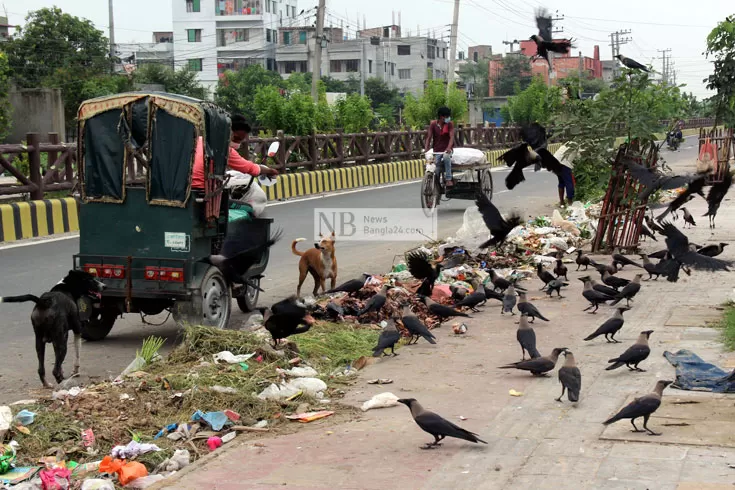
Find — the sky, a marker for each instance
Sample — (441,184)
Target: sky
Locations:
(654,24)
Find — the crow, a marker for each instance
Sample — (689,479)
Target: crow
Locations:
(415,327)
(631,63)
(440,311)
(595,298)
(647,232)
(712,250)
(285,318)
(352,286)
(601,268)
(526,337)
(653,181)
(243,247)
(509,301)
(518,157)
(492,294)
(544,41)
(538,366)
(634,355)
(695,187)
(529,309)
(500,282)
(678,245)
(545,276)
(642,407)
(388,338)
(498,226)
(556,285)
(570,378)
(715,196)
(582,260)
(561,270)
(629,291)
(376,302)
(611,326)
(650,267)
(436,425)
(420,267)
(614,281)
(620,261)
(472,301)
(652,225)
(661,254)
(688,218)
(602,288)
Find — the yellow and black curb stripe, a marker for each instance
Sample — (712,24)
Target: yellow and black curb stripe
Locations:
(32,219)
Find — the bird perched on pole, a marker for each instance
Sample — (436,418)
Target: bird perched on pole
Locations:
(631,63)
(712,250)
(629,291)
(436,425)
(634,355)
(499,227)
(544,41)
(611,326)
(352,286)
(420,267)
(376,302)
(388,338)
(526,337)
(529,309)
(715,196)
(285,318)
(440,311)
(595,298)
(570,378)
(688,218)
(415,327)
(539,365)
(544,275)
(642,407)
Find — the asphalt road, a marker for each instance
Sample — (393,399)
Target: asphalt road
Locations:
(38,267)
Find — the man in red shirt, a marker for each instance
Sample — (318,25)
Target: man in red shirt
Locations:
(240,132)
(441,133)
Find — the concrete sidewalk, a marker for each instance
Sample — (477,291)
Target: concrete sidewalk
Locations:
(534,442)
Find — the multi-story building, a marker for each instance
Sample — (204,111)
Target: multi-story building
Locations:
(160,51)
(212,36)
(404,62)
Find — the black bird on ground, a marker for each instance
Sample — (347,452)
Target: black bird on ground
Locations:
(611,326)
(652,180)
(518,157)
(595,298)
(602,288)
(661,254)
(500,282)
(437,426)
(472,301)
(556,285)
(499,227)
(634,355)
(570,378)
(650,267)
(688,218)
(539,365)
(614,281)
(415,327)
(629,291)
(642,407)
(529,309)
(458,293)
(491,294)
(509,301)
(334,311)
(545,276)
(695,187)
(420,267)
(544,40)
(561,270)
(601,268)
(647,232)
(526,337)
(620,261)
(388,339)
(285,318)
(242,248)
(678,245)
(631,63)
(376,302)
(582,260)
(715,196)
(352,286)
(712,250)
(440,311)
(653,225)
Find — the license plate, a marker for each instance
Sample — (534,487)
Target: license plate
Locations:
(431,167)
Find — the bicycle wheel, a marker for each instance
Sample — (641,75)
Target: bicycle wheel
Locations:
(429,193)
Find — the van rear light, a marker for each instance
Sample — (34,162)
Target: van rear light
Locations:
(93,269)
(167,274)
(105,271)
(151,273)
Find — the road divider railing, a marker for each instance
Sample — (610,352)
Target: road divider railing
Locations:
(32,219)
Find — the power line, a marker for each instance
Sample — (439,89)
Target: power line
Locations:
(615,43)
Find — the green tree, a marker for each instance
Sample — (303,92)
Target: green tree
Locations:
(236,89)
(270,108)
(421,111)
(380,93)
(514,76)
(589,85)
(721,47)
(182,81)
(537,103)
(386,115)
(58,50)
(476,75)
(299,114)
(354,113)
(334,85)
(299,81)
(5,108)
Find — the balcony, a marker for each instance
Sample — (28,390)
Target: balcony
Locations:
(240,8)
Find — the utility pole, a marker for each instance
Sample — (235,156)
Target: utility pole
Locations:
(453,45)
(511,43)
(316,68)
(552,54)
(362,68)
(666,64)
(615,43)
(581,69)
(111,13)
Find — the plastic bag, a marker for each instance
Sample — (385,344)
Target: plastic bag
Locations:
(707,157)
(382,400)
(468,156)
(97,484)
(126,472)
(145,481)
(245,189)
(55,479)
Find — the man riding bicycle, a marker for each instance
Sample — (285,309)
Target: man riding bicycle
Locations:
(441,134)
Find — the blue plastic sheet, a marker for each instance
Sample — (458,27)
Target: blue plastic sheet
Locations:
(694,374)
(216,420)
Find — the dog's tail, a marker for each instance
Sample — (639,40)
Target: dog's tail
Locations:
(293,247)
(23,299)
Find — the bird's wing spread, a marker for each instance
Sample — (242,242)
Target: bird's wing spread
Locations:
(490,214)
(515,155)
(544,23)
(675,181)
(678,245)
(534,135)
(515,177)
(642,174)
(549,161)
(418,265)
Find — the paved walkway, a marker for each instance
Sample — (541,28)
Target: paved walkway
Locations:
(534,442)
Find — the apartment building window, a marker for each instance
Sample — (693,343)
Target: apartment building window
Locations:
(195,64)
(352,66)
(268,6)
(271,64)
(194,35)
(193,6)
(226,37)
(404,74)
(335,66)
(392,69)
(404,49)
(370,66)
(268,36)
(444,53)
(294,67)
(302,37)
(431,52)
(286,38)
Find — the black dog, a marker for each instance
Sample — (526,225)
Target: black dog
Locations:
(56,312)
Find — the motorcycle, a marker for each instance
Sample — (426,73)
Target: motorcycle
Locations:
(673,139)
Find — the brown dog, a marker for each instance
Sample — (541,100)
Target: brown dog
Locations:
(319,261)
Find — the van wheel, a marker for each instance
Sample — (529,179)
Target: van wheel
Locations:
(248,301)
(212,305)
(99,325)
